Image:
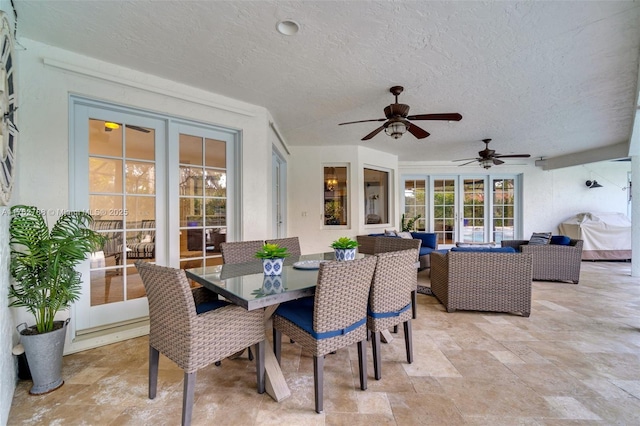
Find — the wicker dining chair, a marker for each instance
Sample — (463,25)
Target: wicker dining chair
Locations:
(387,244)
(390,300)
(334,318)
(291,243)
(240,251)
(194,330)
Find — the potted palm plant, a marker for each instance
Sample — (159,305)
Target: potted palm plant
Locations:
(45,282)
(272,256)
(345,248)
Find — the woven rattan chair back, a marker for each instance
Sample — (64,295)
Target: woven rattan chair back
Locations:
(390,299)
(342,294)
(387,244)
(291,243)
(394,280)
(240,251)
(193,340)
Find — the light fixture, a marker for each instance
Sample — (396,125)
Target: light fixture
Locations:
(332,182)
(287,27)
(593,184)
(110,125)
(396,129)
(486,163)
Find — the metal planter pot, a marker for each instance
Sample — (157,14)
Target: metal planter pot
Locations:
(44,355)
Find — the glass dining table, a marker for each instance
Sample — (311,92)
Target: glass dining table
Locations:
(246,285)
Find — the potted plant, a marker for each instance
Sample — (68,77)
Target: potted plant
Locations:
(345,248)
(408,224)
(272,256)
(45,282)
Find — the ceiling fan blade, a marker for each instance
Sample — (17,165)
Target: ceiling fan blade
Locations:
(513,156)
(497,162)
(469,162)
(362,121)
(138,128)
(418,132)
(372,134)
(454,116)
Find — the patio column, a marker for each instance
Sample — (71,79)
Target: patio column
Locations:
(635,216)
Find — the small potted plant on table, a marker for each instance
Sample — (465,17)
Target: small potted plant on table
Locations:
(345,248)
(272,256)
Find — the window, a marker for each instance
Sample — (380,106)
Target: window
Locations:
(335,195)
(376,196)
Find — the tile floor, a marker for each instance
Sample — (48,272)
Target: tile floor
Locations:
(575,361)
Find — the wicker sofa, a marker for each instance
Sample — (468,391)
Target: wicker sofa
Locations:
(372,244)
(552,262)
(482,281)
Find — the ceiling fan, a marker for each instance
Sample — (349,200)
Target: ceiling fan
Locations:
(397,120)
(488,157)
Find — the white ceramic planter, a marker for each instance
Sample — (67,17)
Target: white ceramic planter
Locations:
(345,254)
(272,266)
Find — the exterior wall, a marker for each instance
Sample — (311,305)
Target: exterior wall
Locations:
(7,340)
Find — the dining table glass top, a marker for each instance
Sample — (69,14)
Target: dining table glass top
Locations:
(245,284)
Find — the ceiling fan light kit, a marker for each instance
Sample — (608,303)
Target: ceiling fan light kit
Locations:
(398,120)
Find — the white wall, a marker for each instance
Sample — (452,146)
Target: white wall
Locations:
(7,340)
(306,193)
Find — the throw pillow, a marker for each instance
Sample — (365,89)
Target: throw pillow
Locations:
(405,235)
(560,240)
(540,238)
(390,233)
(429,239)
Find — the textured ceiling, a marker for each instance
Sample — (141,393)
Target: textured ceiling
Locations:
(545,78)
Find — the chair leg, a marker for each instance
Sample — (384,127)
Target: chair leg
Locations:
(250,354)
(377,358)
(362,360)
(414,304)
(318,381)
(395,328)
(154,360)
(259,348)
(187,397)
(277,344)
(408,341)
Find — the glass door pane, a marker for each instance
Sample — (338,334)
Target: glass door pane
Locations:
(444,210)
(414,204)
(503,209)
(473,211)
(202,199)
(122,188)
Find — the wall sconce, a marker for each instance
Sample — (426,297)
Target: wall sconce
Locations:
(593,184)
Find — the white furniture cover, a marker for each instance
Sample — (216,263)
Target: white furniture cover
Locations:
(606,236)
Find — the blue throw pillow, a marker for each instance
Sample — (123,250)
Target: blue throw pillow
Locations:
(560,240)
(485,249)
(429,239)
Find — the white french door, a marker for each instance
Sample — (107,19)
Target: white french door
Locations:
(464,208)
(159,189)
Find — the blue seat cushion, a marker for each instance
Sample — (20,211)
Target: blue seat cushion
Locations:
(210,306)
(560,240)
(428,239)
(377,235)
(485,249)
(425,250)
(300,312)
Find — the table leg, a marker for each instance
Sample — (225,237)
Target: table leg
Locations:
(275,383)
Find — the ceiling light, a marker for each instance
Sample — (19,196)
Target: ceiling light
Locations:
(486,163)
(396,129)
(288,27)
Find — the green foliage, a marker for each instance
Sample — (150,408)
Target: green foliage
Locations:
(344,243)
(272,251)
(43,261)
(408,225)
